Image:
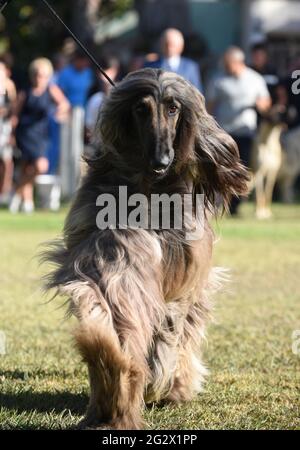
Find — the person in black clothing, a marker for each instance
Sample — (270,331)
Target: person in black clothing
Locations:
(260,63)
(34,106)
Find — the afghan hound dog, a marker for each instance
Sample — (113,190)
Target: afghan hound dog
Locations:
(141,295)
(266,162)
(290,167)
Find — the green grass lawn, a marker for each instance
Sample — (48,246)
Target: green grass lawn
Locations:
(254,375)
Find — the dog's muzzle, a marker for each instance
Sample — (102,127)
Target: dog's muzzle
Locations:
(161,165)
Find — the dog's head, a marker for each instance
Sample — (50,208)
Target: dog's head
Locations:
(157,121)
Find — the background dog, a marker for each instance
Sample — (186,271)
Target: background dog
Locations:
(266,162)
(290,167)
(141,295)
(276,158)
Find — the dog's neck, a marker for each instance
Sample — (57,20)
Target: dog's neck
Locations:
(114,170)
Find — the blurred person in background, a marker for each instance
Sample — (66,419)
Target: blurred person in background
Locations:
(32,133)
(172,46)
(16,73)
(234,98)
(286,112)
(260,63)
(76,79)
(60,61)
(294,99)
(99,90)
(7,122)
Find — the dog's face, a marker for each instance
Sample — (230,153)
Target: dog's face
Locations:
(141,119)
(157,123)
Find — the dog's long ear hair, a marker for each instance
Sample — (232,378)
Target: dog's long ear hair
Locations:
(215,163)
(115,121)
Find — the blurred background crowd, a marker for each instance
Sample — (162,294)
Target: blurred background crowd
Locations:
(242,55)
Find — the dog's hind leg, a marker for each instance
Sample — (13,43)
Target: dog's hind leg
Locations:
(189,376)
(286,188)
(163,360)
(190,371)
(270,183)
(175,361)
(260,194)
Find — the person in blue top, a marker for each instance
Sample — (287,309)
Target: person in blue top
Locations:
(76,79)
(172,45)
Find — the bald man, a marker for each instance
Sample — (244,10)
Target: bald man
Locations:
(172,46)
(234,98)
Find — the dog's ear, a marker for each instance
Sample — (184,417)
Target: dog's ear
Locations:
(219,171)
(113,121)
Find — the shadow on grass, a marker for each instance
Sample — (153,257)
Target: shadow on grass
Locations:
(24,375)
(45,402)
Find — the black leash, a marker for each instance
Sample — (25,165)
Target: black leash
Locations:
(4,3)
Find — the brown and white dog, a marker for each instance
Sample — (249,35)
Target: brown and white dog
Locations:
(141,295)
(266,162)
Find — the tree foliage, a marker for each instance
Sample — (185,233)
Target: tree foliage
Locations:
(29,30)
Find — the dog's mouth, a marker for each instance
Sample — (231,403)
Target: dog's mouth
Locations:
(160,171)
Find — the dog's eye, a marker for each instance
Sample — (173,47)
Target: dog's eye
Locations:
(172,110)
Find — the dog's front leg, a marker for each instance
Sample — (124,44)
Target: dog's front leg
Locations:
(116,380)
(116,383)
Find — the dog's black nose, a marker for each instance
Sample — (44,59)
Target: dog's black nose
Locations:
(160,163)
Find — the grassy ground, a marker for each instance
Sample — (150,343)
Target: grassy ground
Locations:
(254,375)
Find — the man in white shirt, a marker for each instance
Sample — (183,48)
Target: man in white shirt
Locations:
(234,98)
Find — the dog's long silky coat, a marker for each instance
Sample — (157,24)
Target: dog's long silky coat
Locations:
(141,295)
